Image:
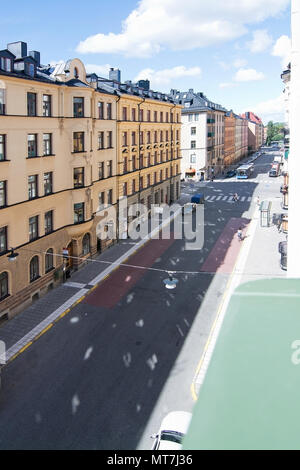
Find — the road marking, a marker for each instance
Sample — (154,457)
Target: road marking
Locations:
(243,198)
(218,198)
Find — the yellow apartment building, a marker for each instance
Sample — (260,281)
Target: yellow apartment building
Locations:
(58,172)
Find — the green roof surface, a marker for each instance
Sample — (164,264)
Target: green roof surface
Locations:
(250,397)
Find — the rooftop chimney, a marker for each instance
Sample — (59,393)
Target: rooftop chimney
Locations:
(19,49)
(115,74)
(36,56)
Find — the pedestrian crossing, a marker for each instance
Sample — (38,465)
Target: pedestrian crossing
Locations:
(229,198)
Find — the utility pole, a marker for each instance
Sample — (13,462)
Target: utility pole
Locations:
(293,265)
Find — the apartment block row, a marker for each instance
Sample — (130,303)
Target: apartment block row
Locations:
(214,139)
(72,145)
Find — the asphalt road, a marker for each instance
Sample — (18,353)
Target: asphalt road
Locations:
(93,380)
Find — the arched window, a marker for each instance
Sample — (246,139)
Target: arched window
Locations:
(49,260)
(3,285)
(76,74)
(86,244)
(34,268)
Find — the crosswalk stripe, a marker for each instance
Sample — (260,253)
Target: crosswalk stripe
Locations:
(243,198)
(224,198)
(212,198)
(218,198)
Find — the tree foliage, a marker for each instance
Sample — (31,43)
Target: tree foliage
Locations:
(275,131)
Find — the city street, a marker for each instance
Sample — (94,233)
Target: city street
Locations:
(104,375)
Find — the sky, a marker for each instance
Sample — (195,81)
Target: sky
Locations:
(233,51)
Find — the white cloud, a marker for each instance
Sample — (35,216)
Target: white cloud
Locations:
(239,63)
(101,70)
(227,85)
(248,75)
(166,76)
(282,49)
(260,42)
(271,110)
(177,25)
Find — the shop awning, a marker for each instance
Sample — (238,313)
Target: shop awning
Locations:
(190,171)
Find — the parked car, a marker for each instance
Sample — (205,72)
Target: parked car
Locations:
(172,430)
(230,173)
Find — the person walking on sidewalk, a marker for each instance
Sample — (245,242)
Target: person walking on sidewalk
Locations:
(240,234)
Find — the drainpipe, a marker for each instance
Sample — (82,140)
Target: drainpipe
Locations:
(117,148)
(139,121)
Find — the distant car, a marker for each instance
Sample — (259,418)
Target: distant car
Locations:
(172,430)
(230,173)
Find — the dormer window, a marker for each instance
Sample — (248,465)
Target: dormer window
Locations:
(76,74)
(6,64)
(29,69)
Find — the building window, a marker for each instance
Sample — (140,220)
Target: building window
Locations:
(109,197)
(5,64)
(32,145)
(34,269)
(124,139)
(171,117)
(101,201)
(100,140)
(109,139)
(3,239)
(124,189)
(3,201)
(167,117)
(78,107)
(167,154)
(155,116)
(167,173)
(141,182)
(193,144)
(48,183)
(148,159)
(48,222)
(148,137)
(78,141)
(109,168)
(155,157)
(148,180)
(33,227)
(78,177)
(197,117)
(141,138)
(47,144)
(193,158)
(2,101)
(161,175)
(100,110)
(86,244)
(193,131)
(78,212)
(133,138)
(2,146)
(161,136)
(32,186)
(49,260)
(133,186)
(190,118)
(124,113)
(125,169)
(109,111)
(47,105)
(141,161)
(100,170)
(155,178)
(148,115)
(167,136)
(133,114)
(3,285)
(161,116)
(31,104)
(141,115)
(155,137)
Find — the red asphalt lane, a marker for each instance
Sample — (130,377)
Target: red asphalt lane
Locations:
(120,282)
(222,257)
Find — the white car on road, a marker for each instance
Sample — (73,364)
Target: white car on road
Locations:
(172,430)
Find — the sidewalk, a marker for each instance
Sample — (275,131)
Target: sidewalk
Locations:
(258,259)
